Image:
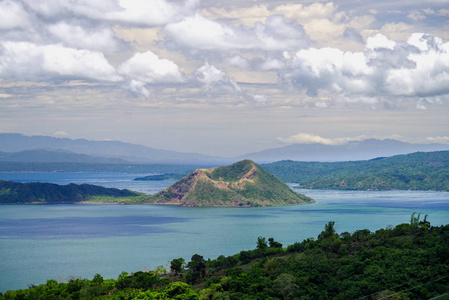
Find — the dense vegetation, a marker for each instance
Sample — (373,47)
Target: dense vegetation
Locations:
(417,171)
(37,192)
(243,183)
(410,261)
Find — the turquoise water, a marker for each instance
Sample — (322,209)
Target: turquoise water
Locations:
(40,242)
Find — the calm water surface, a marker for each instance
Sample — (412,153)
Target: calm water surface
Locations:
(40,242)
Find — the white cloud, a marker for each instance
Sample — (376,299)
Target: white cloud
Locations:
(303,13)
(416,16)
(305,138)
(61,134)
(137,12)
(149,68)
(209,74)
(443,12)
(138,88)
(238,61)
(28,61)
(77,37)
(438,139)
(419,68)
(200,33)
(215,79)
(13,15)
(379,41)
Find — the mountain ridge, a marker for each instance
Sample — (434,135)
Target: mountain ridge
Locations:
(56,155)
(139,154)
(351,151)
(15,142)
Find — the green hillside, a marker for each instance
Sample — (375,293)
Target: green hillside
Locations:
(38,192)
(416,171)
(409,261)
(241,184)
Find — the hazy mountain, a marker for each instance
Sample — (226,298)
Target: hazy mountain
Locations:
(356,150)
(14,142)
(53,156)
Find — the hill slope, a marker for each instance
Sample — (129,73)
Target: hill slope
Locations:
(416,171)
(241,184)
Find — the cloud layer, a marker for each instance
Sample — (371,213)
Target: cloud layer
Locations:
(416,68)
(271,65)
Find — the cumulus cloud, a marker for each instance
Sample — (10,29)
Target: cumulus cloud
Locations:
(28,61)
(438,139)
(416,68)
(200,33)
(215,79)
(136,12)
(305,138)
(301,12)
(93,39)
(13,15)
(147,67)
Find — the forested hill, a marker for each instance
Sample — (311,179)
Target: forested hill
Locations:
(410,261)
(38,192)
(416,171)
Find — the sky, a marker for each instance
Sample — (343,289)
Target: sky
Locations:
(225,77)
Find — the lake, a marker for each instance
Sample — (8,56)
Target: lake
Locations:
(40,242)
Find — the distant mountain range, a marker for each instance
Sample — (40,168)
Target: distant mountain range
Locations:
(14,142)
(20,148)
(356,150)
(56,156)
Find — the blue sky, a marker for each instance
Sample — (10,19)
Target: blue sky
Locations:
(225,77)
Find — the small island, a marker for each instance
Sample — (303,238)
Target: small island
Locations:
(242,184)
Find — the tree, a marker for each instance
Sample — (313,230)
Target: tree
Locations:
(177,265)
(98,279)
(197,265)
(274,244)
(244,257)
(261,243)
(285,286)
(329,230)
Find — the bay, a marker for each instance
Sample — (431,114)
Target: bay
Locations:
(40,242)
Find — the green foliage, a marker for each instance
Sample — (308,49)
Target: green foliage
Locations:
(233,172)
(177,265)
(274,244)
(262,243)
(417,171)
(409,261)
